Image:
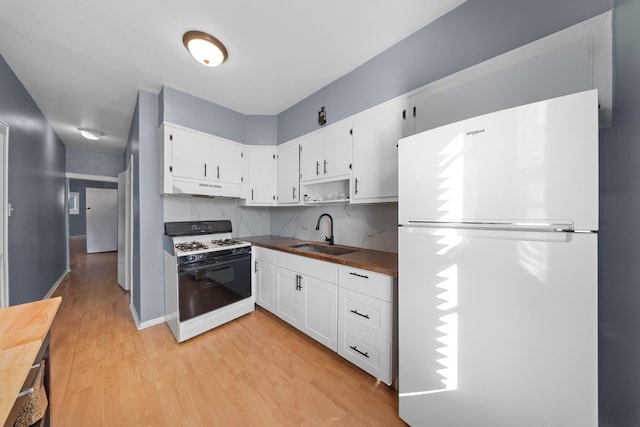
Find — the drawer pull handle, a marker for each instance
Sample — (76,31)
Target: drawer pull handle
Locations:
(359,275)
(366,316)
(354,348)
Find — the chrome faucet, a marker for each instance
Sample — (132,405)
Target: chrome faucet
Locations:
(330,238)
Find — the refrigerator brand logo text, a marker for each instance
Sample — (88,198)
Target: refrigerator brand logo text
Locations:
(475,132)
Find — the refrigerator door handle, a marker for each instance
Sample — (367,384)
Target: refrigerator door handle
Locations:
(560,226)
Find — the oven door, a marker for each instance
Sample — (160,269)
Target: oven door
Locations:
(207,286)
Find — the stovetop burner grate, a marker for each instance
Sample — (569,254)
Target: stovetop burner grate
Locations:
(226,242)
(191,246)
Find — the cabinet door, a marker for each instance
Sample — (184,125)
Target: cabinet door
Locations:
(261,174)
(289,173)
(192,153)
(375,153)
(227,158)
(311,156)
(265,277)
(287,295)
(336,158)
(326,153)
(319,314)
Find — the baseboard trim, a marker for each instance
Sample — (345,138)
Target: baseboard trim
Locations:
(55,285)
(145,324)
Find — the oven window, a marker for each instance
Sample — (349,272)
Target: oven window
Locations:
(206,288)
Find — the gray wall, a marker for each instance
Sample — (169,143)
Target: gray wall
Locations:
(196,113)
(148,273)
(474,32)
(78,223)
(36,191)
(619,237)
(261,130)
(93,163)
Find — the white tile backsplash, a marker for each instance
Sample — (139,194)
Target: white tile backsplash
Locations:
(245,221)
(372,226)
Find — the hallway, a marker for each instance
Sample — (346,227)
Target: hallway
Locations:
(256,370)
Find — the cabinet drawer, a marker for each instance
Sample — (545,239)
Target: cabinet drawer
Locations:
(366,314)
(264,255)
(366,282)
(322,270)
(369,354)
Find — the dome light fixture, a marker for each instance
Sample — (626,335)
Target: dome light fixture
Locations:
(91,134)
(205,48)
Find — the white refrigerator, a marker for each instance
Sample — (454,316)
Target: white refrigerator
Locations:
(497,282)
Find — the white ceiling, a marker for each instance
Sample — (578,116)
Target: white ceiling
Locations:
(83,62)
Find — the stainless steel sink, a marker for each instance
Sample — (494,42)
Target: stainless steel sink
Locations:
(323,249)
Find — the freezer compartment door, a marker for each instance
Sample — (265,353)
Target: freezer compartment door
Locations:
(533,163)
(497,328)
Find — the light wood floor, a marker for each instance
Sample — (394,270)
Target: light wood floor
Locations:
(256,370)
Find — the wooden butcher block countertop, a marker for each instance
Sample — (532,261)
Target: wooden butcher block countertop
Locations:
(22,331)
(367,259)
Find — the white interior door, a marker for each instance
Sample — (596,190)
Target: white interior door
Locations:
(4,282)
(102,220)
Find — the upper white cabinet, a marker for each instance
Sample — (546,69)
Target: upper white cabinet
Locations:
(193,162)
(289,173)
(325,154)
(375,152)
(182,145)
(260,175)
(227,160)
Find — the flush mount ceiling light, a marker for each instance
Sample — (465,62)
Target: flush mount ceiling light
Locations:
(205,48)
(91,134)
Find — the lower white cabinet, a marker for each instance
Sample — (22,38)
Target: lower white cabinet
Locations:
(264,278)
(306,296)
(365,321)
(367,353)
(349,310)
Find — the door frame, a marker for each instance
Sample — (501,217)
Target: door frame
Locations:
(129,232)
(85,177)
(4,214)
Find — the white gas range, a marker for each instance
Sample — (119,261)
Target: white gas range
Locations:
(207,276)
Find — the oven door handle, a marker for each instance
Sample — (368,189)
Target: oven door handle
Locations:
(218,265)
